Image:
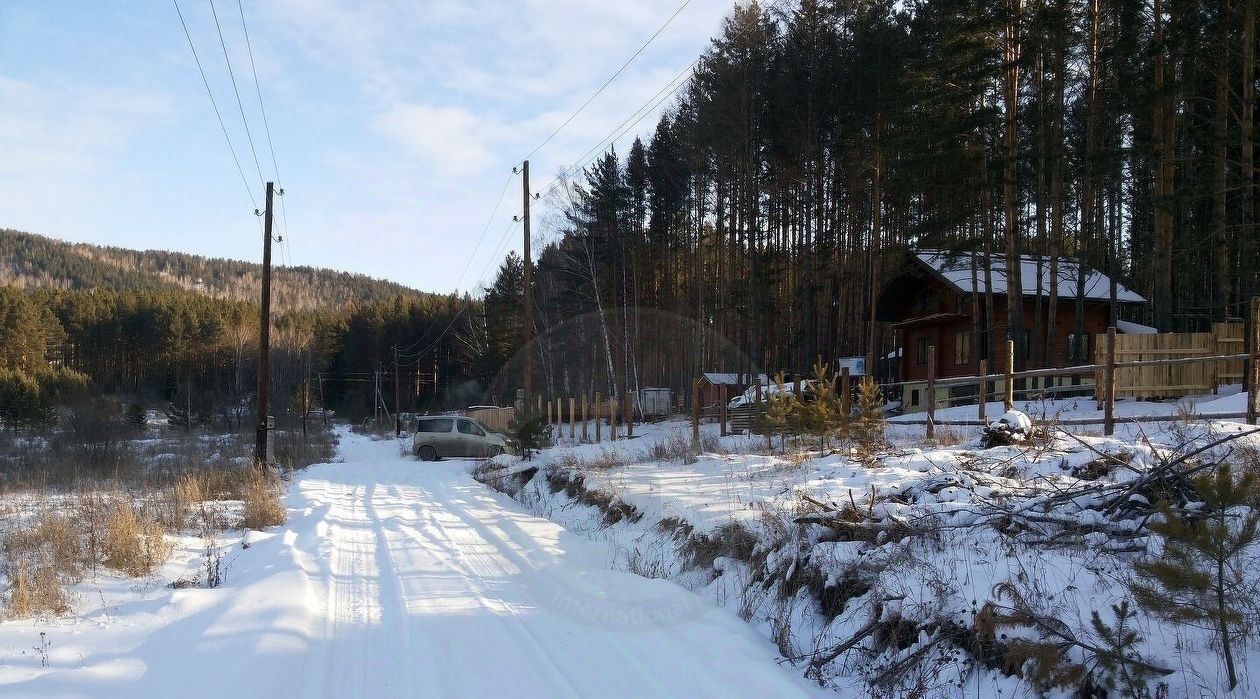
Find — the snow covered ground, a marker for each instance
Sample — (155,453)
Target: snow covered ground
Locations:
(395,578)
(911,553)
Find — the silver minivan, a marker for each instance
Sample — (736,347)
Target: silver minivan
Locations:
(451,435)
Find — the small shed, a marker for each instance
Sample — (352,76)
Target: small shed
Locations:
(711,383)
(653,402)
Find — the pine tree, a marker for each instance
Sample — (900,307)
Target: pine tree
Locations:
(184,412)
(1117,652)
(823,414)
(136,416)
(868,424)
(530,433)
(1199,577)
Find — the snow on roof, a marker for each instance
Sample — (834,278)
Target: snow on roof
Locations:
(1130,328)
(719,378)
(955,269)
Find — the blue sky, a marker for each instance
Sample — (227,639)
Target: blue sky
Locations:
(395,124)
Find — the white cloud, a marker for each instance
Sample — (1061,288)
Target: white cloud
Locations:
(70,129)
(449,140)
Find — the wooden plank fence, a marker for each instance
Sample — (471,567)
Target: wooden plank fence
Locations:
(1172,380)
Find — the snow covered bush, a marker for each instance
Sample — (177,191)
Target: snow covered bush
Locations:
(1013,427)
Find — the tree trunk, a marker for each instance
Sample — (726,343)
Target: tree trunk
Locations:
(1010,194)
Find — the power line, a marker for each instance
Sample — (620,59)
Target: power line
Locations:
(610,79)
(648,107)
(275,165)
(467,305)
(239,104)
(258,89)
(624,127)
(473,256)
(213,103)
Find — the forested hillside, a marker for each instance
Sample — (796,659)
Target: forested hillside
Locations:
(818,141)
(33,261)
(78,321)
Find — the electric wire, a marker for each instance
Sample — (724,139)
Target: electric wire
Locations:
(669,90)
(610,79)
(239,103)
(502,240)
(262,109)
(215,104)
(480,239)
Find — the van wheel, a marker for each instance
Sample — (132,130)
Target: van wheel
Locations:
(495,451)
(427,453)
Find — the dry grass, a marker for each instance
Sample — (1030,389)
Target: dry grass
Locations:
(263,507)
(135,543)
(63,518)
(35,589)
(41,559)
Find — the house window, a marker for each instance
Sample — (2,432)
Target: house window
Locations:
(921,351)
(1078,348)
(962,347)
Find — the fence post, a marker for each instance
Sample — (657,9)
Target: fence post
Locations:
(984,389)
(549,413)
(612,417)
(695,411)
(722,409)
(598,428)
(1254,362)
(628,410)
(1109,395)
(572,418)
(846,394)
(585,411)
(1009,399)
(931,392)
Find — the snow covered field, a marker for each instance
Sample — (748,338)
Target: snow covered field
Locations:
(642,567)
(395,578)
(914,571)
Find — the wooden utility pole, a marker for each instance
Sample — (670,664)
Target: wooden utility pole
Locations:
(323,406)
(397,398)
(529,297)
(264,337)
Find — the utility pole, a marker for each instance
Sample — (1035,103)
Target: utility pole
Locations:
(323,406)
(397,401)
(529,297)
(264,338)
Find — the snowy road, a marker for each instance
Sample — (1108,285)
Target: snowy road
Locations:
(395,578)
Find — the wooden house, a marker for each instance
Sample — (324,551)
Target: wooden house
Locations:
(936,307)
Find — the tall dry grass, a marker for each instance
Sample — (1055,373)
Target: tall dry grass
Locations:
(263,508)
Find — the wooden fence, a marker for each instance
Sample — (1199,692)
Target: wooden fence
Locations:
(497,419)
(1173,380)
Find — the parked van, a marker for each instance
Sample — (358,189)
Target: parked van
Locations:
(438,437)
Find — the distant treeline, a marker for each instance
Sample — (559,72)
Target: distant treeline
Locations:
(33,261)
(155,347)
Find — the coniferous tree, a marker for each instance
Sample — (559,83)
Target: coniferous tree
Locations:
(1199,577)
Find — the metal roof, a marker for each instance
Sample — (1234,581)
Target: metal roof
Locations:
(955,270)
